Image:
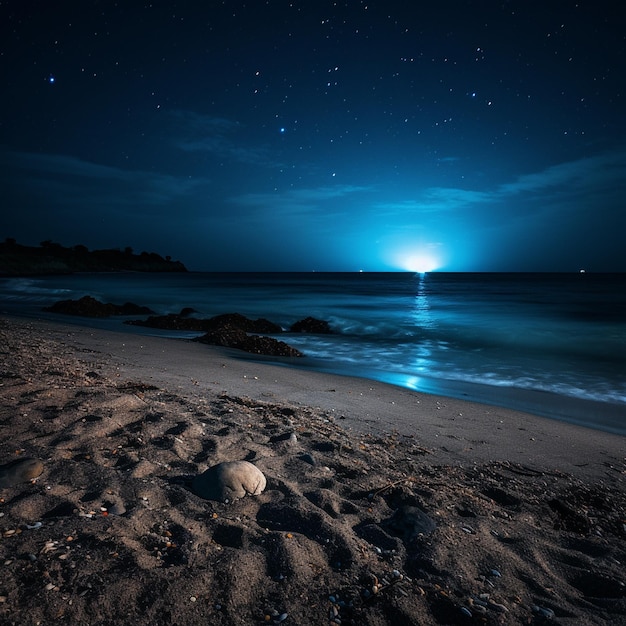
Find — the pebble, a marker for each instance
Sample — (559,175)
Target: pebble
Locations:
(34,526)
(500,608)
(466,611)
(307,458)
(544,612)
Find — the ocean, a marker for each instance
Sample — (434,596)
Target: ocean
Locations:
(550,344)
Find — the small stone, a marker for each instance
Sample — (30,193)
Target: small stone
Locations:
(544,612)
(308,458)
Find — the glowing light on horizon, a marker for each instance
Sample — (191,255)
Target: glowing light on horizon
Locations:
(420,263)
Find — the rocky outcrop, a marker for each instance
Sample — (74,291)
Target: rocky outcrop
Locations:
(172,321)
(182,321)
(233,337)
(259,326)
(311,325)
(90,307)
(231,330)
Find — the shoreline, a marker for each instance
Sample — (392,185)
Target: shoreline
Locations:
(607,416)
(484,431)
(381,506)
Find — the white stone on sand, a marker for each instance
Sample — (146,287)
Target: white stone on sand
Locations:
(229,481)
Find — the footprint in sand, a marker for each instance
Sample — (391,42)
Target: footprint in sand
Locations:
(19,471)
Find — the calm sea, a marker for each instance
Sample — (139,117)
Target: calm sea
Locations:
(550,344)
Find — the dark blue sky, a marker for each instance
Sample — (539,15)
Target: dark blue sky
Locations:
(277,135)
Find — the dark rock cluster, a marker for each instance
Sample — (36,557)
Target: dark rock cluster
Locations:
(233,337)
(90,307)
(311,325)
(231,330)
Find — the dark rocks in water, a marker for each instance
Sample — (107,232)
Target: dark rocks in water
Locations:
(182,321)
(229,330)
(261,326)
(90,307)
(311,325)
(237,320)
(228,336)
(172,321)
(233,337)
(257,344)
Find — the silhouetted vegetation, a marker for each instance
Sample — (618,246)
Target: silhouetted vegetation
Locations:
(53,258)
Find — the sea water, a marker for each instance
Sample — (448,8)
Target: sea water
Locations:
(551,344)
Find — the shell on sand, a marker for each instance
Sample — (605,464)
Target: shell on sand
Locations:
(229,481)
(20,471)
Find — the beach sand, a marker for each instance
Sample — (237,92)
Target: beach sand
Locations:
(382,505)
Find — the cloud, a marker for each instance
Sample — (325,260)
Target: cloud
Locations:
(220,137)
(65,180)
(299,201)
(558,187)
(586,174)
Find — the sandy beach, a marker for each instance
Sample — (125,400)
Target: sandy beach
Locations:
(382,505)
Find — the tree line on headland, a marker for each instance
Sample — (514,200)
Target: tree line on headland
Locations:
(53,258)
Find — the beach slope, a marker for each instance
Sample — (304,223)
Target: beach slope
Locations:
(381,506)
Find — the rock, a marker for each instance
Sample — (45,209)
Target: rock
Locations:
(230,330)
(269,346)
(237,320)
(410,522)
(233,337)
(229,481)
(227,336)
(130,308)
(172,321)
(311,325)
(90,307)
(20,471)
(183,321)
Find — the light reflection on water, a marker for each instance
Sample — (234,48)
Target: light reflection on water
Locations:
(552,333)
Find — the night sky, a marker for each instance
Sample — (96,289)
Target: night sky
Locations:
(316,135)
